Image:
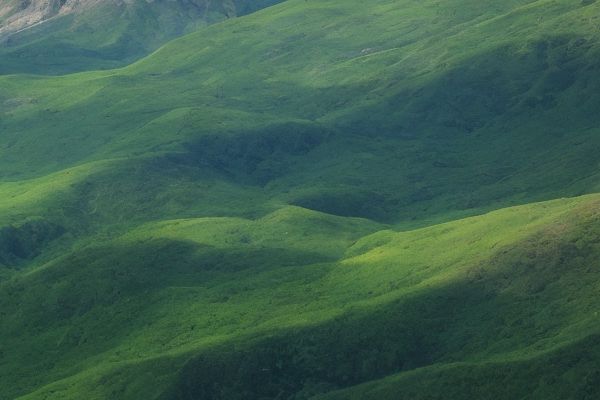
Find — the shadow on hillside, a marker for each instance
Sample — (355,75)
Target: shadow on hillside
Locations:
(19,244)
(569,372)
(475,136)
(465,141)
(96,297)
(255,157)
(107,275)
(511,303)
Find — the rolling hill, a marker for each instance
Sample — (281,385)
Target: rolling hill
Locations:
(319,200)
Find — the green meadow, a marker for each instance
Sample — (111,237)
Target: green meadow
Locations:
(322,200)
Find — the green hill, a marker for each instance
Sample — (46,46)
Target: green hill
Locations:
(320,200)
(296,303)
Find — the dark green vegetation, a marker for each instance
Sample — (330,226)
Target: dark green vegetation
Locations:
(283,206)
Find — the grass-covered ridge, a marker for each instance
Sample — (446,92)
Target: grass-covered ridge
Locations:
(384,101)
(213,294)
(298,204)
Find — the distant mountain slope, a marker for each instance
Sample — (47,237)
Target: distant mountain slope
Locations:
(58,36)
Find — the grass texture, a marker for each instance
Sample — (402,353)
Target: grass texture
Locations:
(320,200)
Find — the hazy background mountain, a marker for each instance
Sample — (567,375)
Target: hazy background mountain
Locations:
(59,36)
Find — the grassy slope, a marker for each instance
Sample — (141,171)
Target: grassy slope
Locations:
(571,372)
(382,101)
(264,307)
(172,181)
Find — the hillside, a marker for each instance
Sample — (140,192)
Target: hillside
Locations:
(320,200)
(60,36)
(299,303)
